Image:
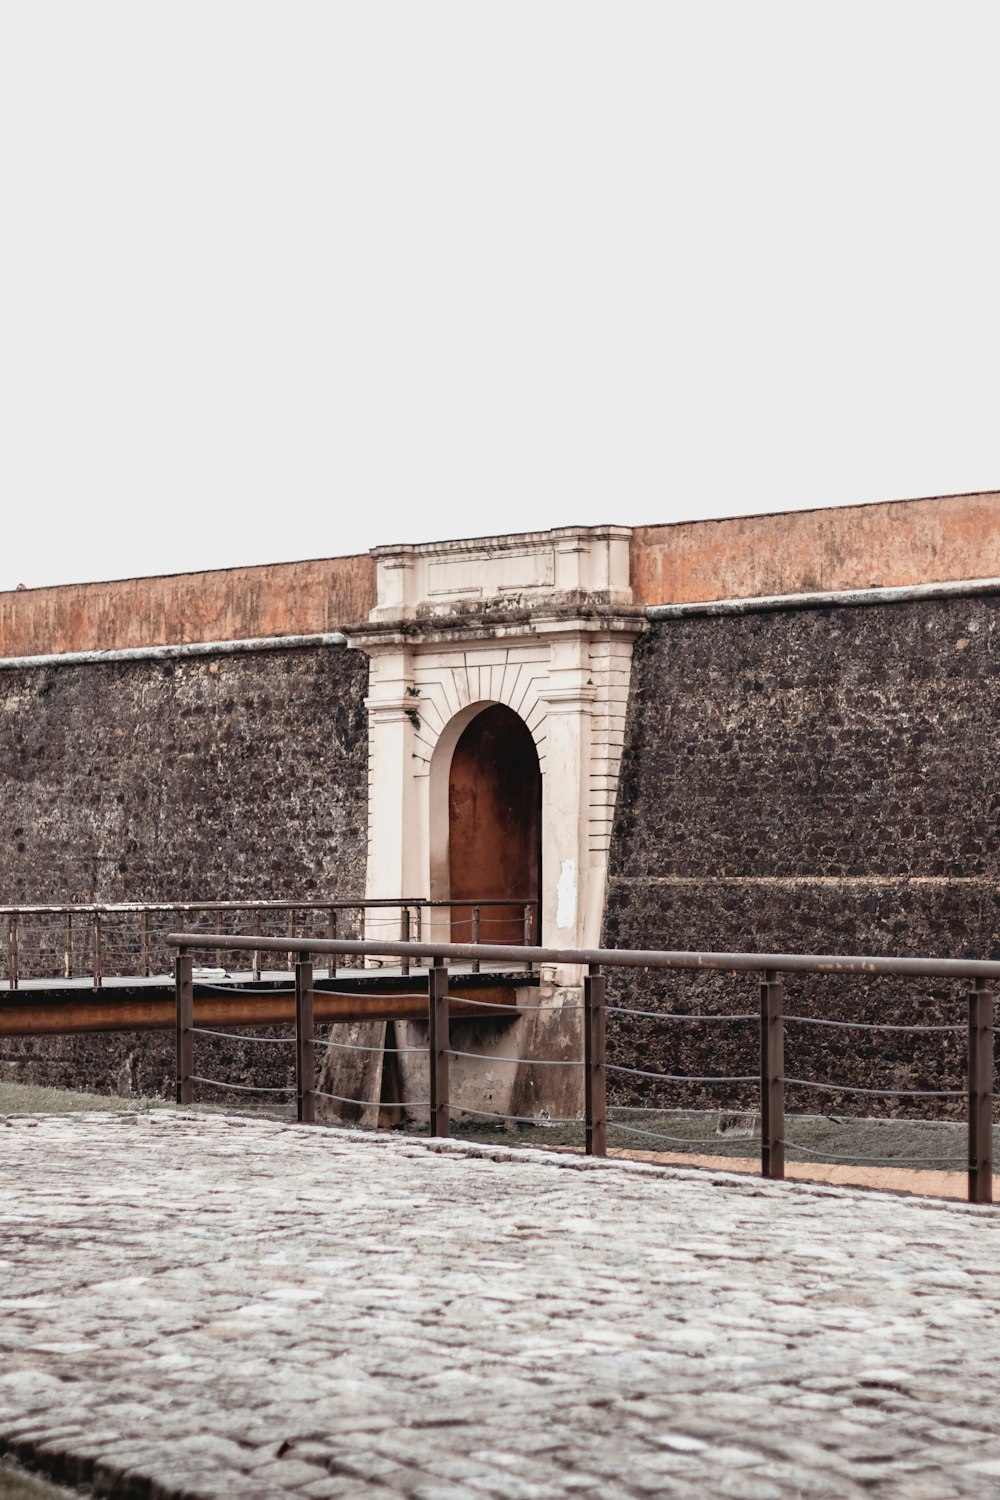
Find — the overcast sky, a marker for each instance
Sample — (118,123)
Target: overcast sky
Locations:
(293,279)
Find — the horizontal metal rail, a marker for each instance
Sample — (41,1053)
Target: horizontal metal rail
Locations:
(631,958)
(113,908)
(115,939)
(357,903)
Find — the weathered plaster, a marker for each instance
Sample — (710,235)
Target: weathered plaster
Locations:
(846,547)
(298,598)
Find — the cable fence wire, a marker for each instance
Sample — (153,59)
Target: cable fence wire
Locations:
(854,1158)
(844,1088)
(357,1047)
(231,989)
(685,1077)
(656,1109)
(660,1015)
(373,1103)
(245,1088)
(871,1025)
(515,1010)
(493,1114)
(534,1062)
(274,1041)
(679,1140)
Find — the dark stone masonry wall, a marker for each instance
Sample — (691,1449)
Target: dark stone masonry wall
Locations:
(209,778)
(814,780)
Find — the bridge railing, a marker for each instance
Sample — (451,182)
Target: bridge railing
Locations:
(768,1079)
(116,940)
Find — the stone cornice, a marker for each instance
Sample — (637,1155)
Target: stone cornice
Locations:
(561,536)
(576,613)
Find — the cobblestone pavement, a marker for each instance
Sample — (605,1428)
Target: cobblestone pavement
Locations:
(196,1306)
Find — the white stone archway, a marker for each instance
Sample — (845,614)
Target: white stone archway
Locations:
(541,622)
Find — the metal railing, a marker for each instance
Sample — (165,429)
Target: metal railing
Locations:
(102,940)
(769,1078)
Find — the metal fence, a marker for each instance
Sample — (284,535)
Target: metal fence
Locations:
(115,940)
(768,1082)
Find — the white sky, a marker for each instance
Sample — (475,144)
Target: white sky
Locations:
(293,279)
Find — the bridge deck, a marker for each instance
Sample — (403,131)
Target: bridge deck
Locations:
(59,1006)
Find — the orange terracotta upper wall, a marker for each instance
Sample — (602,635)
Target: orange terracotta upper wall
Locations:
(301,598)
(859,546)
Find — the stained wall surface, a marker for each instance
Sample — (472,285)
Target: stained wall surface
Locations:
(850,547)
(215,778)
(817,781)
(301,598)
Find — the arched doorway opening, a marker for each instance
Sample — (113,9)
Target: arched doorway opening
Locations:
(494,825)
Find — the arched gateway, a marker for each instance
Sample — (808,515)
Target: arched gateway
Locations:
(498,681)
(494,825)
(497,693)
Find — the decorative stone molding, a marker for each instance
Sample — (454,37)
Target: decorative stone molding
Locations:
(532,567)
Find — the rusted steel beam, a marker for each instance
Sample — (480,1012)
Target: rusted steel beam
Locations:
(69,1017)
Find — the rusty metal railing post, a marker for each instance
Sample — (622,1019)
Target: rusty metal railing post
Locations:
(68,946)
(529,929)
(476,925)
(184,998)
(404,937)
(355,928)
(255,932)
(437,1045)
(331,932)
(291,934)
(981,1092)
(97,955)
(144,944)
(595,1109)
(305,1050)
(772,1075)
(12,958)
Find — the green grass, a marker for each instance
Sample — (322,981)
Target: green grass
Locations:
(16,1484)
(938,1145)
(32,1099)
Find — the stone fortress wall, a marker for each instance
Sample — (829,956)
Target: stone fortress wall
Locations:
(817,781)
(818,777)
(217,777)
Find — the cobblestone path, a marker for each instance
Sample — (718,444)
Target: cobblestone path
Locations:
(196,1306)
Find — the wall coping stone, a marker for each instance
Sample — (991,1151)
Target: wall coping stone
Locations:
(173,652)
(834,598)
